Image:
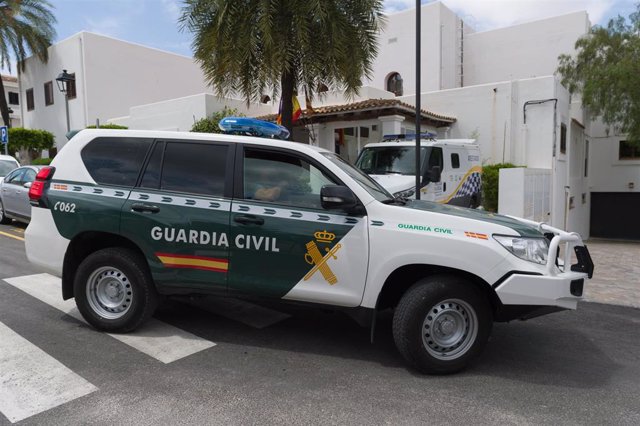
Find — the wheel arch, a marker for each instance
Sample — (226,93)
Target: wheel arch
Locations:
(81,246)
(402,278)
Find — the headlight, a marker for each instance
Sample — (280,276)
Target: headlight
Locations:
(405,194)
(532,249)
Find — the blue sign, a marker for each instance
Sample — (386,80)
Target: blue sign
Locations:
(4,135)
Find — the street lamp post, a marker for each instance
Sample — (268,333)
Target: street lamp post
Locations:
(63,81)
(418,112)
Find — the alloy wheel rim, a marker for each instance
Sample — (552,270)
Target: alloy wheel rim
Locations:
(449,329)
(109,292)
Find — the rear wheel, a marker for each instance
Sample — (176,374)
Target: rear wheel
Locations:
(114,290)
(3,218)
(441,324)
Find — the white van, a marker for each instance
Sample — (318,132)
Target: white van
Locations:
(451,171)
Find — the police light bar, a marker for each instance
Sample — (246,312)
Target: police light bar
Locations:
(252,127)
(408,136)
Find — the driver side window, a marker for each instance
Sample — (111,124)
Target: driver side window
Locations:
(282,178)
(15,177)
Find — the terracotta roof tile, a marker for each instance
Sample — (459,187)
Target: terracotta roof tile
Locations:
(367,105)
(10,78)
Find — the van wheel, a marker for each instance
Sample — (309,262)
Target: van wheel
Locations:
(114,290)
(3,218)
(441,324)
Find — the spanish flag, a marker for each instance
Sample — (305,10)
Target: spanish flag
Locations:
(297,111)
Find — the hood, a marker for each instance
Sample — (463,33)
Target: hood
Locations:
(521,228)
(395,182)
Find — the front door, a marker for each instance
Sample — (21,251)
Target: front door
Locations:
(284,244)
(11,190)
(179,214)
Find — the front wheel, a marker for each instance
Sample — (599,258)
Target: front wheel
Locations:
(114,291)
(441,324)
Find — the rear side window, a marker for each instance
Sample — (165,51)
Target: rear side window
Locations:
(115,161)
(195,168)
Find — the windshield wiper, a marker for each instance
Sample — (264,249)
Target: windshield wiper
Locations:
(399,201)
(395,172)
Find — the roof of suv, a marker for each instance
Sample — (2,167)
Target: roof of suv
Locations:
(426,142)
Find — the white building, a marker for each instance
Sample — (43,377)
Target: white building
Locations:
(12,95)
(497,86)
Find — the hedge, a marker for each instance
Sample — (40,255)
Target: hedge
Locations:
(32,140)
(42,161)
(490,184)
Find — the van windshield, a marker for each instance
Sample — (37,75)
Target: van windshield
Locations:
(370,185)
(391,160)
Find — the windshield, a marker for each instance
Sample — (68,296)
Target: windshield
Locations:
(6,166)
(391,160)
(370,185)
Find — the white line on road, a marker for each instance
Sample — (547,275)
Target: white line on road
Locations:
(157,339)
(31,381)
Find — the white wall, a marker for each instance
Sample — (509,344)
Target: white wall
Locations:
(12,86)
(521,51)
(111,77)
(438,44)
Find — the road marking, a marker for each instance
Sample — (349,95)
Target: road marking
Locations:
(31,381)
(15,237)
(19,230)
(238,310)
(155,338)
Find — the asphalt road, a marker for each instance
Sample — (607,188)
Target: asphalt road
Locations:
(302,366)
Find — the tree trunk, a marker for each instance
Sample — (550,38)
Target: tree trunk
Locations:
(287,82)
(4,107)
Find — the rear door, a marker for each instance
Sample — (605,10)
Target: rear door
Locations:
(283,243)
(179,214)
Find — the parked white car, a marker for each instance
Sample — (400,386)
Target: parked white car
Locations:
(7,164)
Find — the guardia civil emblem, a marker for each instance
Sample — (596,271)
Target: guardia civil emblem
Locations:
(320,262)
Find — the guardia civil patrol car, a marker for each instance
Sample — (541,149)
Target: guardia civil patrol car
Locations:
(125,217)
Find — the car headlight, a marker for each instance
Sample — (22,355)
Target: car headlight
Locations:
(405,194)
(534,250)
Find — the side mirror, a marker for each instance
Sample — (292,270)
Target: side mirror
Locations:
(434,174)
(336,197)
(27,185)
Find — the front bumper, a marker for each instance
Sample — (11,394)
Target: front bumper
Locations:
(562,283)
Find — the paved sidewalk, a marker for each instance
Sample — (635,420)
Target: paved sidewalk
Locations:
(616,279)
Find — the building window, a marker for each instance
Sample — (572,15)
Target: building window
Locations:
(71,87)
(30,103)
(14,99)
(563,138)
(394,84)
(629,151)
(48,93)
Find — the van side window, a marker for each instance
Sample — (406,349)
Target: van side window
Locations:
(151,177)
(283,179)
(115,161)
(196,168)
(455,161)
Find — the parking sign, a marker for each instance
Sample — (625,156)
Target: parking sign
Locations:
(4,135)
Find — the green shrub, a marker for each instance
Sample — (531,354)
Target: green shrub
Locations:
(31,140)
(41,161)
(490,184)
(210,124)
(109,126)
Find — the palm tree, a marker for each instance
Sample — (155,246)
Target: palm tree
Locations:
(250,47)
(26,27)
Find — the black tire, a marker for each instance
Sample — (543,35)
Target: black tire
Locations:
(425,315)
(4,220)
(121,271)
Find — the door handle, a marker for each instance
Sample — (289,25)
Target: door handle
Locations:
(247,219)
(144,208)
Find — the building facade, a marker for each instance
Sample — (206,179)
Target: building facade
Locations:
(12,95)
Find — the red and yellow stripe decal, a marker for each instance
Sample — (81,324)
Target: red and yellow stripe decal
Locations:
(170,260)
(476,235)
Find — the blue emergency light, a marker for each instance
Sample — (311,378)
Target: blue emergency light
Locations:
(253,127)
(408,137)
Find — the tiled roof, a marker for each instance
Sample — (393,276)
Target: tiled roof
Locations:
(367,105)
(10,78)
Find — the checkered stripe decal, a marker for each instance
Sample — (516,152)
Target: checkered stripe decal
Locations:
(470,186)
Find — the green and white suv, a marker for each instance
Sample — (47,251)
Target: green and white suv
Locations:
(127,216)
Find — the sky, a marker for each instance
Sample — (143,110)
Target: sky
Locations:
(154,22)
